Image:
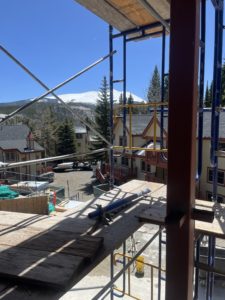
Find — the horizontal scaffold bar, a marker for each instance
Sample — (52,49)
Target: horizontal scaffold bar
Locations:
(139,148)
(149,104)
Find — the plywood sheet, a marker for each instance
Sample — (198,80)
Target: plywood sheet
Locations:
(35,205)
(53,241)
(156,214)
(133,11)
(127,14)
(41,267)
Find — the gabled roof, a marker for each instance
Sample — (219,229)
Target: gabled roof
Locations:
(15,137)
(20,145)
(13,132)
(80,129)
(140,123)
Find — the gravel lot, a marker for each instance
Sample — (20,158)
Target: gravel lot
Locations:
(77,184)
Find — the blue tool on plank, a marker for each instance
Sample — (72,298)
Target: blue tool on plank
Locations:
(116,205)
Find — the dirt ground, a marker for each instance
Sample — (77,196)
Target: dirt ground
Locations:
(78,184)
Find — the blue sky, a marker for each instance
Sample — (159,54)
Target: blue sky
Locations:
(57,38)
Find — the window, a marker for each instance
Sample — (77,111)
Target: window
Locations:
(9,156)
(78,136)
(121,141)
(220,198)
(220,176)
(222,146)
(148,168)
(125,161)
(115,160)
(142,165)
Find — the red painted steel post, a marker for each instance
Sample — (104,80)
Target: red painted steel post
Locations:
(184,43)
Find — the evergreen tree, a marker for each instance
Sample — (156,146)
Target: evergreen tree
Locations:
(120,111)
(207,98)
(130,99)
(166,88)
(102,118)
(47,132)
(154,90)
(208,95)
(66,139)
(121,99)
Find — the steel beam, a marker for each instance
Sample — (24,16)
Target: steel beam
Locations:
(184,50)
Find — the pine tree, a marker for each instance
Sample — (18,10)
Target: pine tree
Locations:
(130,100)
(102,118)
(120,110)
(207,100)
(47,132)
(66,139)
(154,90)
(121,99)
(166,88)
(208,95)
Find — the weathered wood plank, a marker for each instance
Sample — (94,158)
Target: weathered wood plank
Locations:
(35,205)
(53,241)
(41,223)
(108,13)
(39,267)
(126,14)
(156,214)
(133,11)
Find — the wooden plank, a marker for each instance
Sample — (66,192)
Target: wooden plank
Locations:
(41,223)
(162,7)
(133,11)
(28,292)
(52,241)
(55,235)
(126,14)
(155,214)
(38,267)
(109,14)
(36,205)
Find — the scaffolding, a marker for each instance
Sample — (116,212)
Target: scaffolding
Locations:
(155,29)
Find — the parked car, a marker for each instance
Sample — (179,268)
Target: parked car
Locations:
(64,166)
(49,176)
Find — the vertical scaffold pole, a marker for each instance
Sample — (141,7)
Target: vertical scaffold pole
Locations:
(215,120)
(183,93)
(162,86)
(200,126)
(124,89)
(111,182)
(201,87)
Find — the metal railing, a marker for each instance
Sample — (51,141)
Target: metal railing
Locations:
(129,271)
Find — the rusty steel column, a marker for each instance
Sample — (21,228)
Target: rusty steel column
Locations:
(184,43)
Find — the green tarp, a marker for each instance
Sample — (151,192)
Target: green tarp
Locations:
(7,193)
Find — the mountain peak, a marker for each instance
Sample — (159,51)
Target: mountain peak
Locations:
(92,97)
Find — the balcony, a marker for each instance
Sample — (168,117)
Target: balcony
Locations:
(156,159)
(123,173)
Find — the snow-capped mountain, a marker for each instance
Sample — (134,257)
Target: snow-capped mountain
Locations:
(92,96)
